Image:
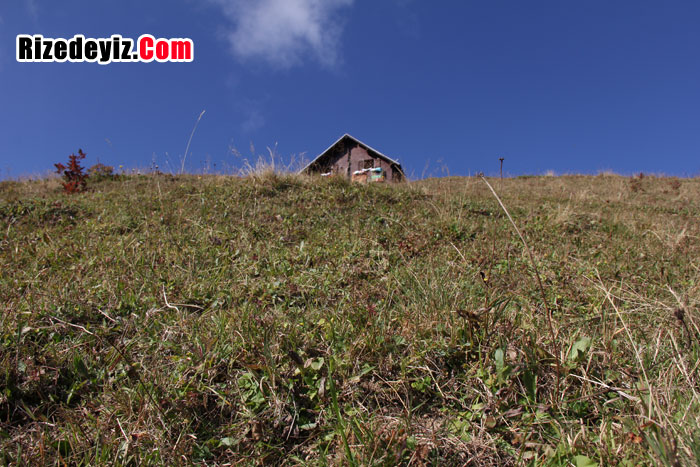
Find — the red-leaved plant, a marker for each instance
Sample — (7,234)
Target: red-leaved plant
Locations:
(73,176)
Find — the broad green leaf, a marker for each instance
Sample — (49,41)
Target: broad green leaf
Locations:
(499,357)
(578,350)
(584,461)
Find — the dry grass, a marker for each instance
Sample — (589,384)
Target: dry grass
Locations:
(278,319)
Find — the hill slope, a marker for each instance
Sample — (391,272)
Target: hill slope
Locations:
(278,319)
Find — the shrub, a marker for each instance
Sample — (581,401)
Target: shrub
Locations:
(100,171)
(74,178)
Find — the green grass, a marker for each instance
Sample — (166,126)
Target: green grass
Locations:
(277,319)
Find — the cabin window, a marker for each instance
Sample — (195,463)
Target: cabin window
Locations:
(369,163)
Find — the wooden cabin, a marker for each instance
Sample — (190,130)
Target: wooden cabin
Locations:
(351,158)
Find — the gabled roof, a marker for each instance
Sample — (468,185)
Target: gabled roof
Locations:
(366,147)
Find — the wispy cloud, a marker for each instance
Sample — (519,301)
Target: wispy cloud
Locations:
(32,9)
(254,121)
(251,114)
(284,32)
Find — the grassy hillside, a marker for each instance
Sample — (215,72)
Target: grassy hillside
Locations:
(278,319)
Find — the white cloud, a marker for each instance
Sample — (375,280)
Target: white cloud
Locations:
(284,32)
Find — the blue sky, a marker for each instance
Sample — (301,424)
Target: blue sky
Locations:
(567,86)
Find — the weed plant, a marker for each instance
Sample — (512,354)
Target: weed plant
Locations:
(74,179)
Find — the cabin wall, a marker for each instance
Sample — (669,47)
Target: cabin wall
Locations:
(337,163)
(358,157)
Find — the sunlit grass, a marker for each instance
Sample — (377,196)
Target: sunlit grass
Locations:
(278,318)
